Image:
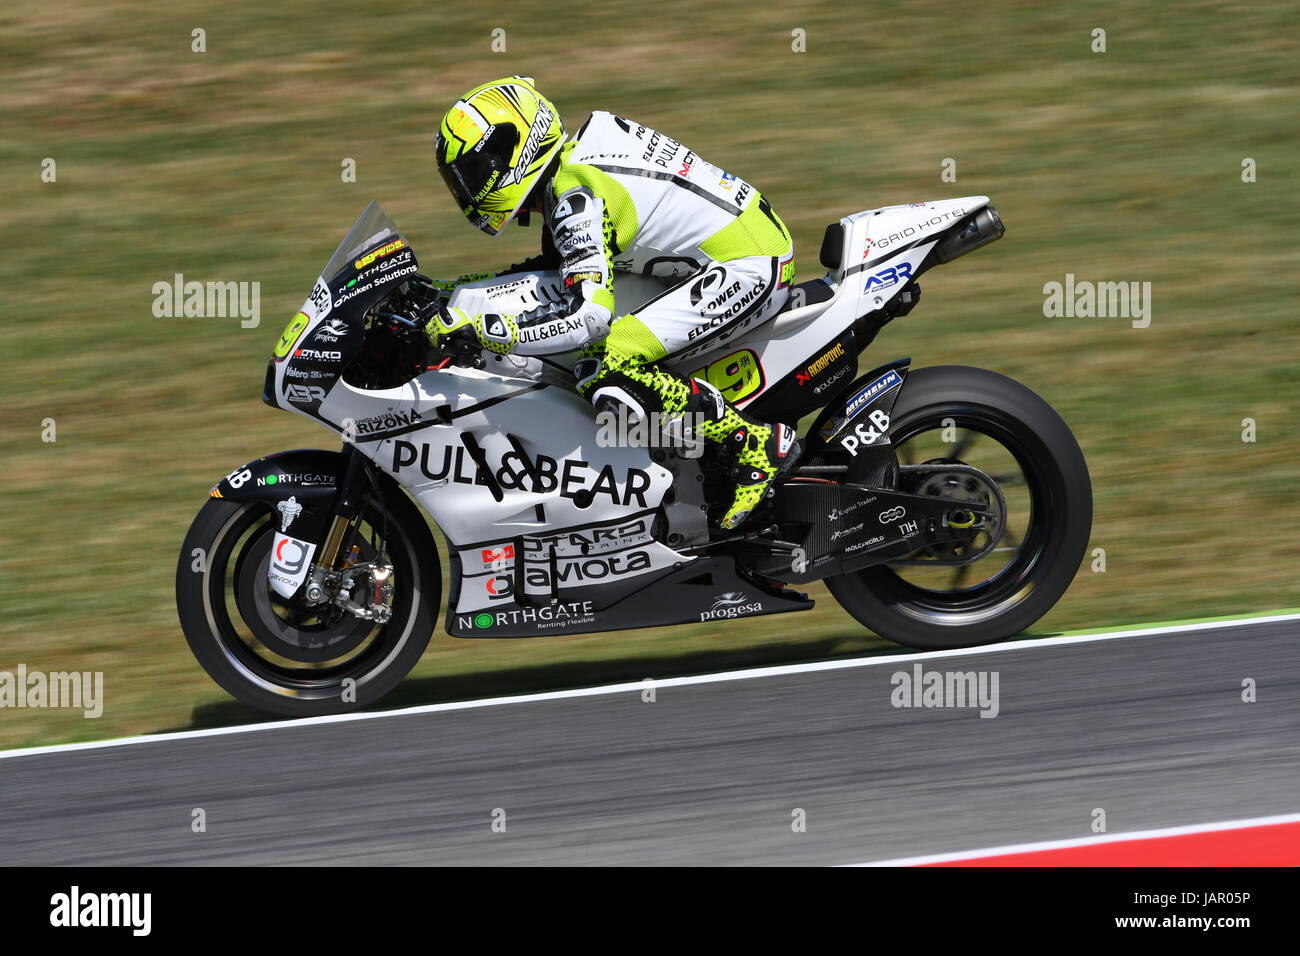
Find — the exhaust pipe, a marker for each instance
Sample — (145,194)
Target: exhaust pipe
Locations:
(976,230)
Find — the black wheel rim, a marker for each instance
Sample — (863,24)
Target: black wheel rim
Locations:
(1011,582)
(237,572)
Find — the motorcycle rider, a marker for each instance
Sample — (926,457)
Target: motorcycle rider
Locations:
(619,196)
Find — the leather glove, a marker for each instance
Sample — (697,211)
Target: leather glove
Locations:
(496,333)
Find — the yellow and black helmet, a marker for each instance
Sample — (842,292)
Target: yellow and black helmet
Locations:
(493,146)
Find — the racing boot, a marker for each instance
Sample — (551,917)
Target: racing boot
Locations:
(759,453)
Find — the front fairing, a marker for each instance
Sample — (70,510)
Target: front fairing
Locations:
(328,331)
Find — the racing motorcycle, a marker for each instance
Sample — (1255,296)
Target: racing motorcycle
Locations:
(944,507)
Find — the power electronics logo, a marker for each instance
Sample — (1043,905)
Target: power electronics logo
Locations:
(707,285)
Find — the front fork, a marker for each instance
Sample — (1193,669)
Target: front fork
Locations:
(328,582)
(354,491)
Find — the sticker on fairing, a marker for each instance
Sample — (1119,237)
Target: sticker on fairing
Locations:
(867,393)
(317,306)
(881,385)
(737,376)
(290,562)
(289,337)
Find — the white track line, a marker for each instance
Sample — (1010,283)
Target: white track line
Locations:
(892,660)
(1085,841)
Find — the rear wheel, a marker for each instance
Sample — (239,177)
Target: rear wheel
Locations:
(282,656)
(959,597)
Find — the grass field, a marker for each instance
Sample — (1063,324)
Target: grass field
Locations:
(225,165)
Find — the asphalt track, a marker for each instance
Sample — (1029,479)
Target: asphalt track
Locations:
(1150,727)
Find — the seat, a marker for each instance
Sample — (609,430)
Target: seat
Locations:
(808,293)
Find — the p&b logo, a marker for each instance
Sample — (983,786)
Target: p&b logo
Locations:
(865,433)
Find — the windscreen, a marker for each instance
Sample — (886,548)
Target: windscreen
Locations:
(372,227)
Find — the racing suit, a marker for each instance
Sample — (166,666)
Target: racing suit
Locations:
(624,197)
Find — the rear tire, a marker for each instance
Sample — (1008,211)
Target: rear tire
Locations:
(1054,542)
(223,597)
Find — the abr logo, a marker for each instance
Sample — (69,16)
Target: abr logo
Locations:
(890,275)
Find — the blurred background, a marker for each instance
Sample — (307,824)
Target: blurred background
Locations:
(227,165)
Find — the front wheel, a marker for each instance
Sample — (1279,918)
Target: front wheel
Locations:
(279,656)
(935,598)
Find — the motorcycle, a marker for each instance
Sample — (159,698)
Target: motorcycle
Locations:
(944,507)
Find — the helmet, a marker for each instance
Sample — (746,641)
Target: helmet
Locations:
(493,146)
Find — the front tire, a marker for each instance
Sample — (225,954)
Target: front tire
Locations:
(278,658)
(1049,546)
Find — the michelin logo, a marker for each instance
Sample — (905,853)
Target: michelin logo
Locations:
(883,384)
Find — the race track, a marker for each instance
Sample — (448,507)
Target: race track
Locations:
(1149,727)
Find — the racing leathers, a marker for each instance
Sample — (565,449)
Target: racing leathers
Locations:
(624,197)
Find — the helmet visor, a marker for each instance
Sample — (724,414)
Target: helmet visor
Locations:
(473,174)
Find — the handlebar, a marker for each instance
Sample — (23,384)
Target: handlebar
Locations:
(396,348)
